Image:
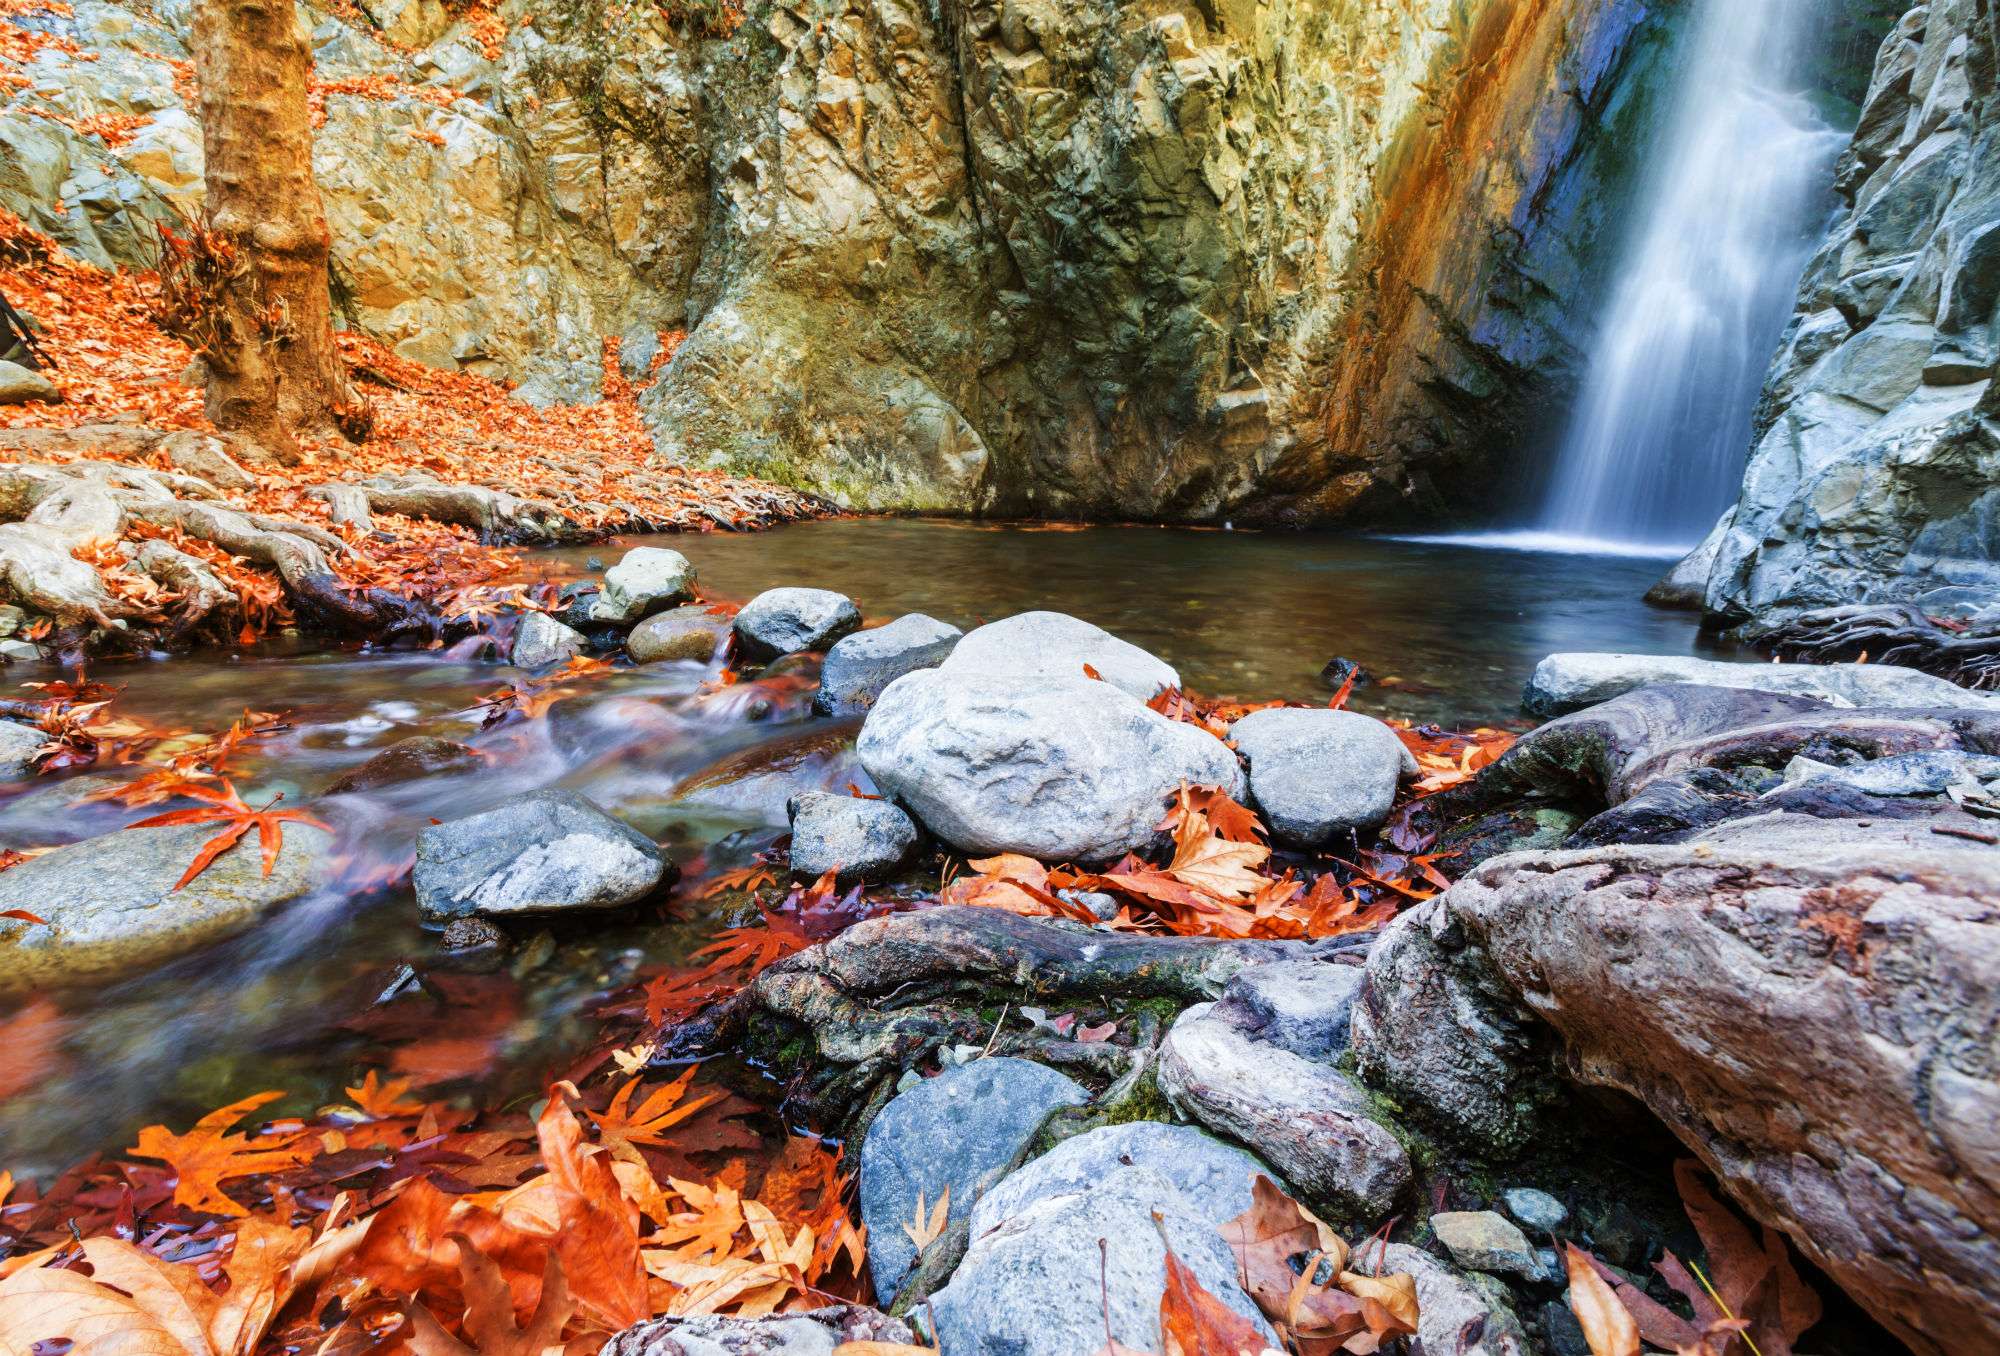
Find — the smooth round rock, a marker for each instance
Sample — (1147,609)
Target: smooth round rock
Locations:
(646,580)
(686,633)
(860,666)
(1319,774)
(547,851)
(855,838)
(1056,645)
(787,620)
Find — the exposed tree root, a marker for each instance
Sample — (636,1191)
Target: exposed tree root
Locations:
(885,993)
(1890,633)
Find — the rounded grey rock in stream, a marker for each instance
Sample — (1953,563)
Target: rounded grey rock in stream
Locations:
(1060,769)
(691,632)
(110,908)
(1051,1279)
(1307,1120)
(857,838)
(541,640)
(1298,1005)
(18,745)
(956,1132)
(859,666)
(1535,1209)
(786,621)
(543,852)
(648,579)
(1483,1240)
(1057,645)
(1214,1177)
(1318,774)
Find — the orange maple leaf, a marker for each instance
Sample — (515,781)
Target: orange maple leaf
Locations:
(205,1157)
(226,807)
(662,1109)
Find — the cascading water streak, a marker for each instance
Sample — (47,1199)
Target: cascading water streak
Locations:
(1657,442)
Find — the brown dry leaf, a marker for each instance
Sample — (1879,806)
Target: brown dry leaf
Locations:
(927,1225)
(1754,1281)
(43,1305)
(1267,1236)
(489,1312)
(380,1100)
(205,1157)
(1194,1322)
(1607,1324)
(647,1123)
(883,1349)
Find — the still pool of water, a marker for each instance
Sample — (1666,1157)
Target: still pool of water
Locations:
(347,981)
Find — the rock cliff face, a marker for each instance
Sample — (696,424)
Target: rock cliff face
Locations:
(1876,474)
(1283,259)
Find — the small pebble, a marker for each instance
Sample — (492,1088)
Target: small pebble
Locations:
(1536,1210)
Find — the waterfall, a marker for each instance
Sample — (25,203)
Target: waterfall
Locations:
(1656,445)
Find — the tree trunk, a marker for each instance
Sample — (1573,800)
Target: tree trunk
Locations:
(273,373)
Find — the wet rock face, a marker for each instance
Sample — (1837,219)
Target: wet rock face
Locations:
(1874,476)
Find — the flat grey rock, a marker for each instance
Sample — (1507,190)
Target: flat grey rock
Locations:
(1056,645)
(540,640)
(111,910)
(685,633)
(1049,1280)
(1927,773)
(1571,681)
(1483,1240)
(1303,1006)
(1320,775)
(1535,1209)
(646,580)
(1212,1176)
(18,746)
(1057,768)
(1307,1120)
(789,620)
(855,838)
(956,1132)
(544,852)
(859,666)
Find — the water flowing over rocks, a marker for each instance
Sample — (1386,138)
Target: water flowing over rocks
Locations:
(1059,769)
(860,666)
(547,851)
(111,907)
(1873,477)
(953,1135)
(1319,776)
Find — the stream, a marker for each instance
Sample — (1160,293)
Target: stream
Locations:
(346,981)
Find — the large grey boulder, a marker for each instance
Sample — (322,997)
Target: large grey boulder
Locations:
(546,851)
(956,1133)
(685,633)
(1051,1279)
(110,908)
(859,666)
(1568,682)
(1303,1006)
(20,385)
(815,1332)
(1058,646)
(788,620)
(1306,1119)
(1807,1004)
(856,838)
(541,640)
(1319,775)
(18,746)
(1057,768)
(1214,1177)
(647,579)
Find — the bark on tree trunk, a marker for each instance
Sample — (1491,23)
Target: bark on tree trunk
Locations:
(273,372)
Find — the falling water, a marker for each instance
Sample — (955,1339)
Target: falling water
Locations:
(1657,442)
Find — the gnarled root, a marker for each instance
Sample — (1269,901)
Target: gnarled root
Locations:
(1889,633)
(497,516)
(882,995)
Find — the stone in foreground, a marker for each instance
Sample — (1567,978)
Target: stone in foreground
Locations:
(1055,645)
(790,620)
(1481,1240)
(1450,1304)
(1320,775)
(18,746)
(957,1132)
(1535,1209)
(859,666)
(686,633)
(20,385)
(1303,1006)
(1807,1004)
(1572,681)
(648,579)
(1031,1286)
(1213,1177)
(541,640)
(544,852)
(816,1332)
(855,838)
(1059,769)
(1307,1120)
(111,908)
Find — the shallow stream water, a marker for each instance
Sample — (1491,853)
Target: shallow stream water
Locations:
(347,981)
